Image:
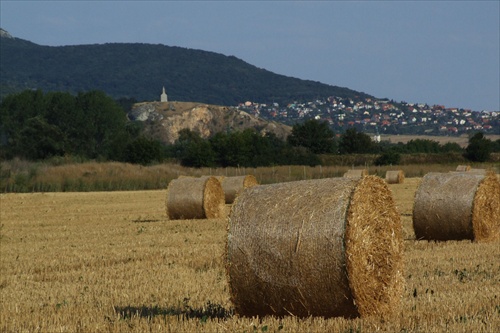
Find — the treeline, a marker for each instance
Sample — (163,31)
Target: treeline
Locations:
(93,126)
(238,149)
(306,143)
(90,125)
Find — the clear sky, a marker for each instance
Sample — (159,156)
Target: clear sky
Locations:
(435,52)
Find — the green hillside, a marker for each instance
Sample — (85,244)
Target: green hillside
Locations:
(139,71)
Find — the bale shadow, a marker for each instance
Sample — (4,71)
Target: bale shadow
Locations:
(139,220)
(184,312)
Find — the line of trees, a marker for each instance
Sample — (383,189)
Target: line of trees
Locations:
(304,145)
(90,125)
(246,149)
(93,126)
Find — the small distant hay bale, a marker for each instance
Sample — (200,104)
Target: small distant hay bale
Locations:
(326,247)
(233,186)
(195,198)
(395,177)
(356,173)
(478,171)
(457,206)
(463,168)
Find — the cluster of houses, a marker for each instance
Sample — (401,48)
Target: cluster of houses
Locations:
(384,116)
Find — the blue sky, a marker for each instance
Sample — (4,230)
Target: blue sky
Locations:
(435,52)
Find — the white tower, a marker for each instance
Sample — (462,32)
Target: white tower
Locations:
(376,137)
(163,96)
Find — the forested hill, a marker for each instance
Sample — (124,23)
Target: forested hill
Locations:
(139,71)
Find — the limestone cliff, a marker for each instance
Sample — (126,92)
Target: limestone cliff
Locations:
(164,120)
(5,34)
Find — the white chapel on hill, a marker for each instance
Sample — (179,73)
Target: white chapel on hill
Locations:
(163,96)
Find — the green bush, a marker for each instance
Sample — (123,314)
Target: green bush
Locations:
(388,158)
(479,148)
(143,151)
(313,135)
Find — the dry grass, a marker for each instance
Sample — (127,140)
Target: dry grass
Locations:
(22,176)
(462,140)
(112,262)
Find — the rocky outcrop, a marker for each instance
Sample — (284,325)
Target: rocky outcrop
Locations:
(5,34)
(164,120)
(199,119)
(144,112)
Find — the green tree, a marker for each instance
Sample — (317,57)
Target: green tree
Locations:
(39,140)
(449,147)
(354,142)
(126,103)
(60,110)
(99,122)
(143,151)
(238,149)
(90,125)
(15,110)
(389,157)
(219,143)
(313,135)
(496,146)
(246,148)
(192,150)
(479,148)
(423,146)
(298,156)
(269,148)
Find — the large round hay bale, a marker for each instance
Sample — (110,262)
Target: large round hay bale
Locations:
(325,247)
(356,173)
(233,186)
(195,198)
(457,206)
(395,176)
(463,168)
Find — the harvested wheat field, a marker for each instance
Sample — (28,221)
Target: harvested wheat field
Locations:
(113,262)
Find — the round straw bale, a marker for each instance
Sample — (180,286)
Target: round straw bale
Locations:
(457,206)
(395,177)
(479,171)
(233,186)
(463,168)
(325,247)
(195,198)
(356,173)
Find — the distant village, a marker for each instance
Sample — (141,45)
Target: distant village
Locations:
(380,116)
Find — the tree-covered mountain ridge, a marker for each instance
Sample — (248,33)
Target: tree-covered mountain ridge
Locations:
(139,71)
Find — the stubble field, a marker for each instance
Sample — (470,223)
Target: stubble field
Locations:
(112,262)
